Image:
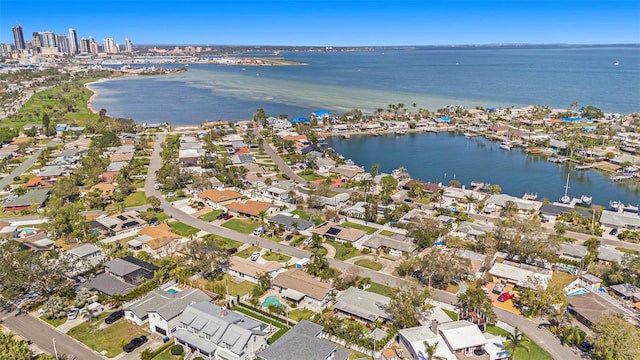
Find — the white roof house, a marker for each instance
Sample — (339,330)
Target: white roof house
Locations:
(413,340)
(522,274)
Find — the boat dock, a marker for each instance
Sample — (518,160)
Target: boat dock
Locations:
(584,167)
(620,177)
(557,160)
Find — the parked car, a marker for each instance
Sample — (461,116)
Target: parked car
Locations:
(221,216)
(505,296)
(288,237)
(227,217)
(113,317)
(232,251)
(306,241)
(134,344)
(613,231)
(73,313)
(259,231)
(499,288)
(255,256)
(543,325)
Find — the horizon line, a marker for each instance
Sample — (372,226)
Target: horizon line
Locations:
(398,45)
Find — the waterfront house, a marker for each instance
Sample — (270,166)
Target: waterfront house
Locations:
(622,220)
(521,204)
(552,211)
(303,341)
(212,332)
(162,307)
(347,172)
(296,285)
(362,305)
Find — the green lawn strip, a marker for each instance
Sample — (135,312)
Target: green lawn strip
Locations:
(164,352)
(112,338)
(236,288)
(369,264)
(210,216)
(176,198)
(137,198)
(388,233)
(300,314)
(22,178)
(247,252)
(303,215)
(535,351)
(275,256)
(381,289)
(311,177)
(242,226)
(223,242)
(343,252)
(183,229)
(53,322)
(368,229)
(264,319)
(452,314)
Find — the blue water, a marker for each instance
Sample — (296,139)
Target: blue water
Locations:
(173,291)
(444,156)
(339,81)
(271,300)
(578,292)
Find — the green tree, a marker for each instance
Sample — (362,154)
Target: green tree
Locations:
(573,335)
(454,183)
(374,170)
(12,348)
(494,189)
(615,339)
(475,299)
(154,202)
(510,208)
(440,268)
(516,341)
(205,255)
(388,184)
(407,305)
(54,308)
(430,350)
(591,112)
(525,240)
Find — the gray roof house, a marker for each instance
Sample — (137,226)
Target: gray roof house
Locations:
(108,284)
(35,197)
(620,220)
(572,251)
(161,308)
(303,342)
(213,332)
(363,305)
(396,242)
(288,221)
(627,291)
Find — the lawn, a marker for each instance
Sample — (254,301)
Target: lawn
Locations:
(53,322)
(112,338)
(343,252)
(306,216)
(535,351)
(560,279)
(311,177)
(368,229)
(242,226)
(276,256)
(266,320)
(381,289)
(137,198)
(183,229)
(369,264)
(211,215)
(247,252)
(300,314)
(452,314)
(223,242)
(388,233)
(166,355)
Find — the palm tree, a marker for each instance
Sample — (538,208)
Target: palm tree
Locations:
(516,341)
(430,349)
(262,214)
(573,335)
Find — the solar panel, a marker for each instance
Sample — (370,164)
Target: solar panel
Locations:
(130,224)
(122,217)
(334,231)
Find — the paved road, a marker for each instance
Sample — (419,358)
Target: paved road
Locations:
(283,166)
(43,336)
(22,168)
(544,339)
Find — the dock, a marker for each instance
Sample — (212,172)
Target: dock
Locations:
(557,160)
(620,177)
(584,167)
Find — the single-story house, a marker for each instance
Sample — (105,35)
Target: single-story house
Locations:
(34,198)
(289,221)
(607,254)
(472,230)
(252,208)
(622,220)
(108,284)
(552,211)
(158,241)
(213,332)
(476,260)
(84,257)
(347,172)
(334,231)
(296,284)
(572,251)
(121,223)
(589,308)
(523,275)
(214,198)
(362,305)
(251,270)
(521,204)
(358,210)
(626,291)
(130,270)
(37,183)
(303,341)
(161,308)
(396,242)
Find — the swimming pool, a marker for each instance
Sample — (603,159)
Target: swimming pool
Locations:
(271,300)
(28,230)
(578,292)
(173,291)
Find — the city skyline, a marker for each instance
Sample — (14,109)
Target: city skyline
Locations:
(331,23)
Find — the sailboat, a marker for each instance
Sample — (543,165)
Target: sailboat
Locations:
(616,63)
(566,199)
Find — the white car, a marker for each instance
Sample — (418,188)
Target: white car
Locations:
(255,256)
(306,242)
(73,313)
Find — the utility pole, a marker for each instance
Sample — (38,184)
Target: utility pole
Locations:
(55,351)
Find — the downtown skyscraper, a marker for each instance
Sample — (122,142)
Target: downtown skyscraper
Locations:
(18,38)
(73,41)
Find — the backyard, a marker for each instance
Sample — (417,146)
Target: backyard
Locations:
(109,339)
(183,229)
(535,351)
(368,229)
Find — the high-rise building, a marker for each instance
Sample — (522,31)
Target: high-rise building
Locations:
(109,46)
(48,39)
(85,46)
(36,42)
(93,46)
(18,38)
(73,41)
(5,50)
(128,45)
(63,44)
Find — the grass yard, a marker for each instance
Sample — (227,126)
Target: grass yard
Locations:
(111,338)
(183,229)
(343,252)
(560,279)
(368,229)
(137,198)
(452,314)
(223,242)
(275,256)
(300,314)
(211,215)
(247,252)
(166,355)
(535,351)
(242,226)
(53,322)
(369,264)
(311,177)
(388,233)
(266,320)
(381,289)
(303,215)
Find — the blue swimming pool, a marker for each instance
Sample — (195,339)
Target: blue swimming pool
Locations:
(271,300)
(172,291)
(578,292)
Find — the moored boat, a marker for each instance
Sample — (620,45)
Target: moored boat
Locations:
(505,145)
(585,199)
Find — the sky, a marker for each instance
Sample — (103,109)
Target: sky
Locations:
(330,22)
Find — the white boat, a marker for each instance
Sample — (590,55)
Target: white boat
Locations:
(585,199)
(400,132)
(616,63)
(565,199)
(505,145)
(349,162)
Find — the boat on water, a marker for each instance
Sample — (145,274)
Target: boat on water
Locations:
(618,206)
(585,199)
(565,199)
(400,132)
(557,160)
(620,177)
(505,145)
(530,196)
(345,136)
(349,162)
(616,63)
(468,135)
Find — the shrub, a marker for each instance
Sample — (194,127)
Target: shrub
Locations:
(366,251)
(286,177)
(177,350)
(17,178)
